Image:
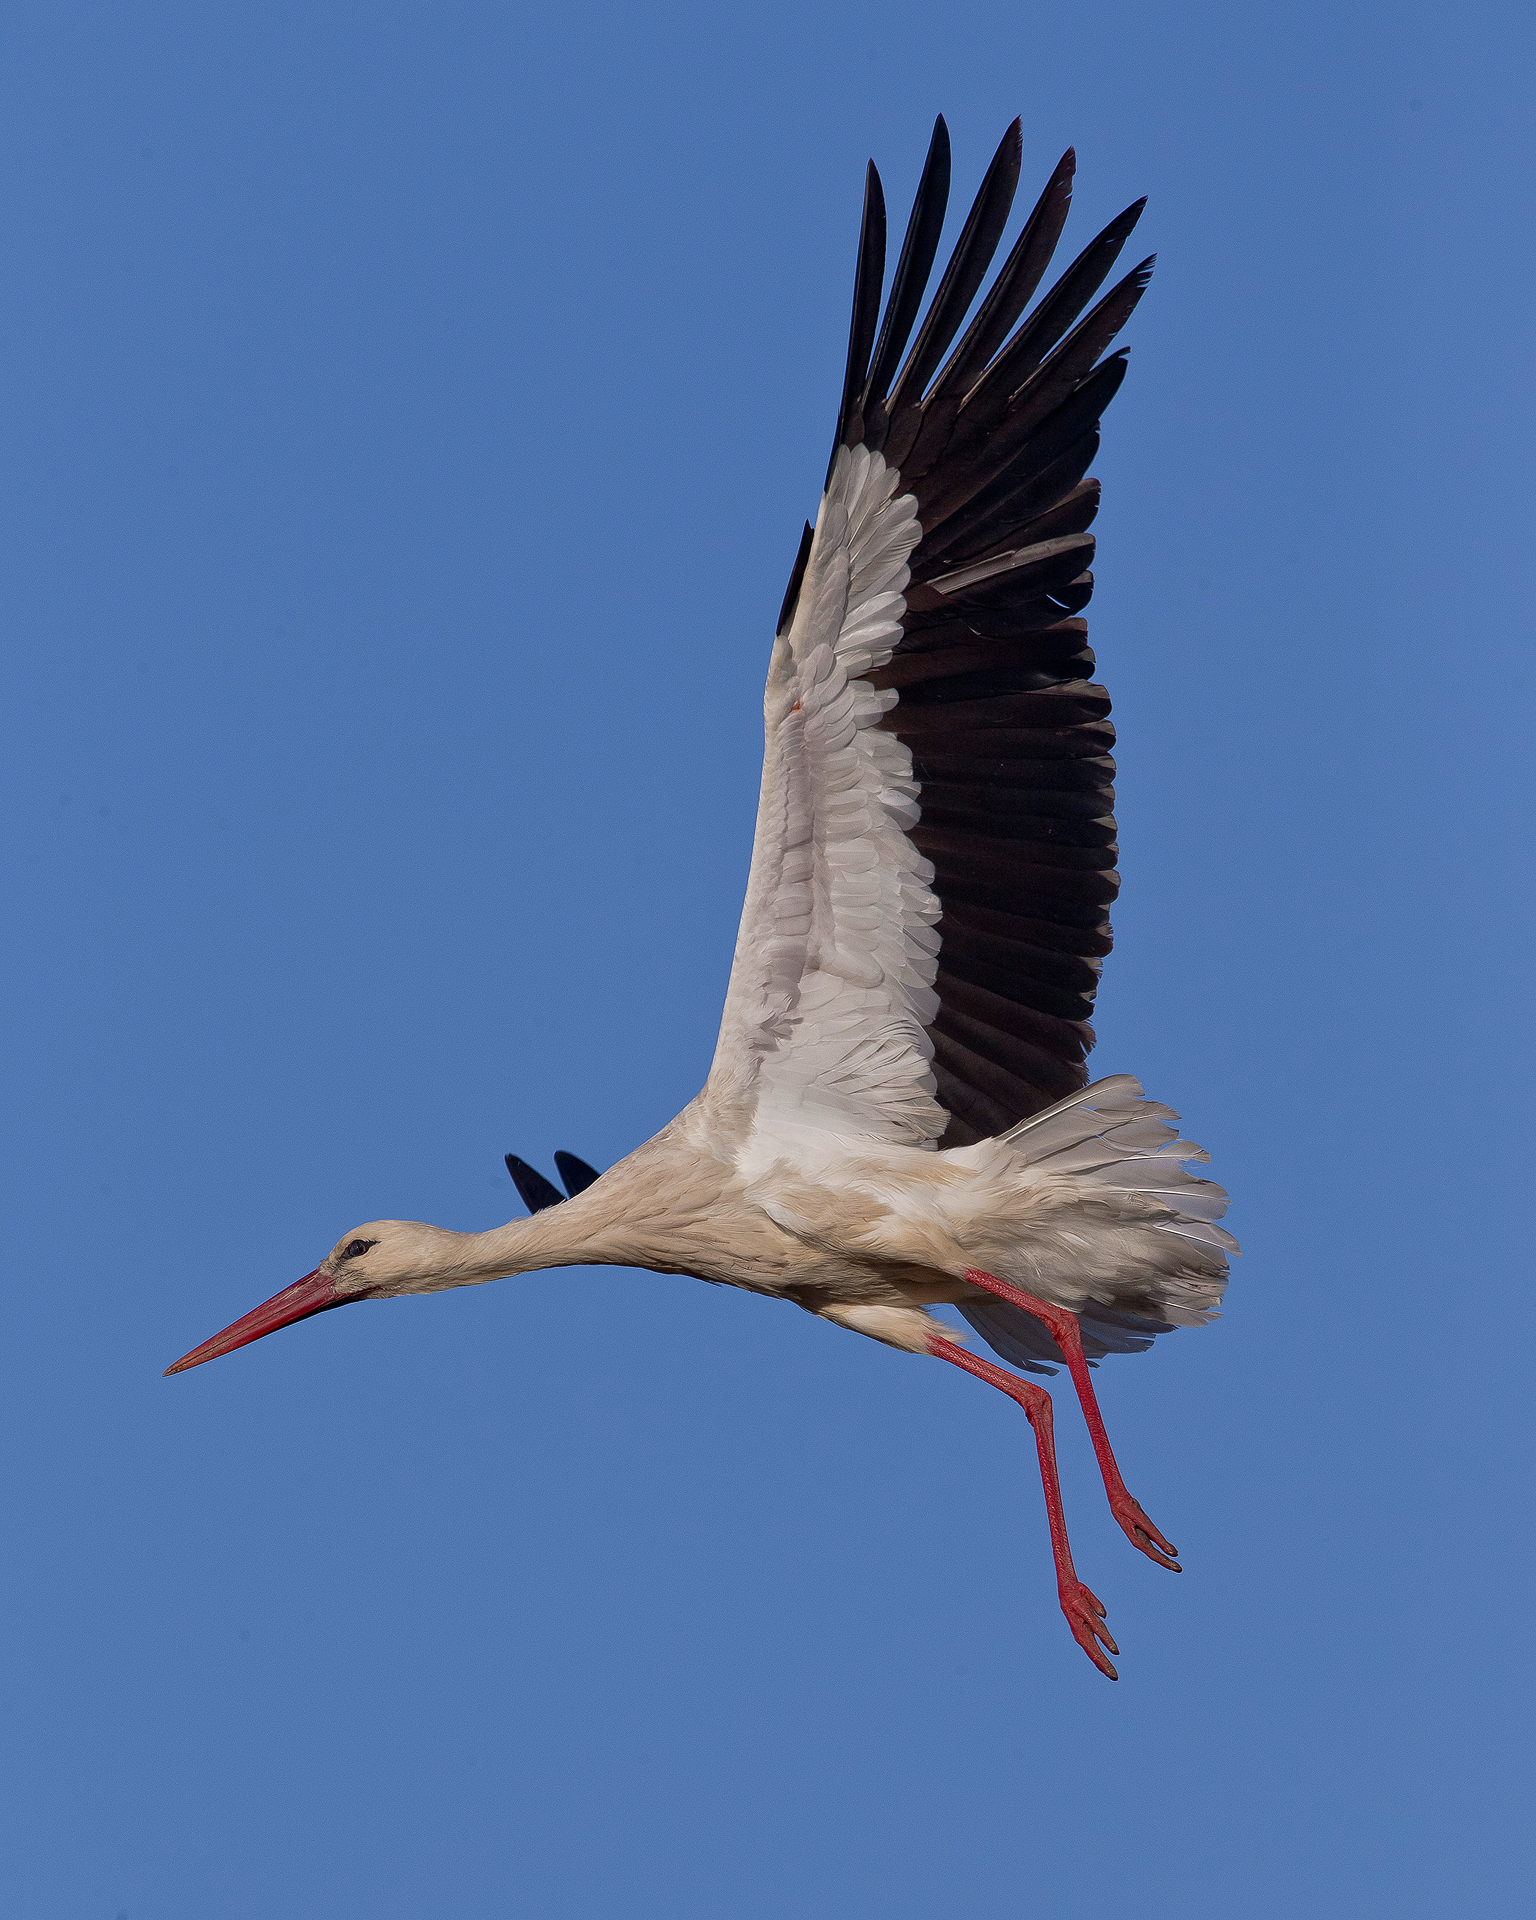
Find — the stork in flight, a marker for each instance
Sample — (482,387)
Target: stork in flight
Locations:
(897,1114)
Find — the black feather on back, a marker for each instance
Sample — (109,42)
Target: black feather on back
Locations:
(1010,738)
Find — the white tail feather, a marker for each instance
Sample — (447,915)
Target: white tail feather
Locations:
(1111,1143)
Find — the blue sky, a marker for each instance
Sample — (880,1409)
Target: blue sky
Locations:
(406,420)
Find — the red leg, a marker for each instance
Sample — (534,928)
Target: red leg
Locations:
(1068,1336)
(1085,1613)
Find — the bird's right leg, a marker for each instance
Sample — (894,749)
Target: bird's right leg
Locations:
(1085,1613)
(1068,1335)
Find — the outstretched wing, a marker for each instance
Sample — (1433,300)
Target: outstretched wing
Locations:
(934,858)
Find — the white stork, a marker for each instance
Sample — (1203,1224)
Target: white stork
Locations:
(897,1114)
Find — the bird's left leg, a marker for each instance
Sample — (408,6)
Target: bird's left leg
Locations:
(1068,1336)
(1084,1611)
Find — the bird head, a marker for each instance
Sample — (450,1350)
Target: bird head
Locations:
(373,1262)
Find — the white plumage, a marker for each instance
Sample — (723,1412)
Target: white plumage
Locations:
(832,985)
(896,1116)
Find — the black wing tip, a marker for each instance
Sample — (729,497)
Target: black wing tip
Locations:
(913,267)
(536,1192)
(1010,149)
(877,407)
(939,149)
(869,277)
(576,1173)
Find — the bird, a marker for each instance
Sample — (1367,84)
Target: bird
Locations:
(898,1116)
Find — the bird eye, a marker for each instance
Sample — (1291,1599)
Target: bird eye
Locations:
(354,1247)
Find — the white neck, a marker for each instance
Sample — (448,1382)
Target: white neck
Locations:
(568,1235)
(563,1236)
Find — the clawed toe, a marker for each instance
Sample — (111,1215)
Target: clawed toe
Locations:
(1142,1533)
(1085,1616)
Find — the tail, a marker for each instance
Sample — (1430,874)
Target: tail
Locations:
(1110,1137)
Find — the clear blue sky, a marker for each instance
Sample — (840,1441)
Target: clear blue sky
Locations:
(407,416)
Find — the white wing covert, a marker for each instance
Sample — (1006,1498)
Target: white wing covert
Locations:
(832,987)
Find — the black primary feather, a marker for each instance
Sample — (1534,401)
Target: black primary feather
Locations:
(576,1174)
(967,269)
(537,1192)
(1013,455)
(868,278)
(910,280)
(985,404)
(1010,294)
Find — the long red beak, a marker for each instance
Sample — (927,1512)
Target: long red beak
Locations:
(313,1294)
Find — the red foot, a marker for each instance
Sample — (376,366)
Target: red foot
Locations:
(1084,1611)
(1085,1616)
(1141,1532)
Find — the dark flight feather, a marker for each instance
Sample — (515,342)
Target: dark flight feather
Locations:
(987,401)
(1011,292)
(576,1174)
(537,1192)
(1015,452)
(868,278)
(910,280)
(967,269)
